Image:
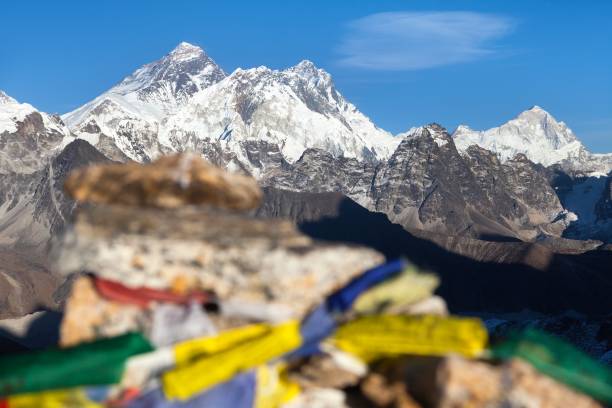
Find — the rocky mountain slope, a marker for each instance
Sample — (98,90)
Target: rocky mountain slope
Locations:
(292,129)
(33,209)
(476,275)
(590,199)
(266,122)
(426,184)
(28,137)
(34,206)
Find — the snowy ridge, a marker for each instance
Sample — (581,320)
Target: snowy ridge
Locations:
(296,109)
(156,89)
(185,99)
(435,131)
(534,133)
(28,136)
(12,112)
(539,136)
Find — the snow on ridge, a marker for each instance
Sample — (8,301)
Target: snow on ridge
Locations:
(186,51)
(150,92)
(436,132)
(296,108)
(12,112)
(5,99)
(534,132)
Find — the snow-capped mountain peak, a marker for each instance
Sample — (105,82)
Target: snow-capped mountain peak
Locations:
(12,112)
(185,101)
(309,71)
(187,68)
(556,132)
(27,136)
(296,108)
(436,132)
(153,91)
(5,99)
(534,133)
(186,51)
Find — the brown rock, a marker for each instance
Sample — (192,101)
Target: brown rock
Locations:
(326,371)
(456,382)
(169,182)
(87,316)
(533,389)
(383,393)
(239,258)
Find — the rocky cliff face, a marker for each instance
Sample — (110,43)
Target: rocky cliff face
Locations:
(33,209)
(34,206)
(426,184)
(28,137)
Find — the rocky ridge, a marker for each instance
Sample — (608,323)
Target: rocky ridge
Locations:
(28,138)
(429,185)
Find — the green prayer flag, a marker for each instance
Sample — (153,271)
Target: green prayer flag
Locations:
(559,360)
(97,363)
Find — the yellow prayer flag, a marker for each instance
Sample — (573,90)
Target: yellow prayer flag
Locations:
(68,398)
(378,336)
(274,387)
(407,288)
(208,370)
(191,349)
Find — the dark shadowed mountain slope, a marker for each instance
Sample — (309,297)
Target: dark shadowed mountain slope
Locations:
(508,277)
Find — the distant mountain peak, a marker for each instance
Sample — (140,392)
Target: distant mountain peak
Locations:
(305,66)
(436,127)
(536,112)
(534,133)
(537,108)
(184,46)
(433,131)
(308,70)
(462,128)
(5,99)
(186,51)
(155,90)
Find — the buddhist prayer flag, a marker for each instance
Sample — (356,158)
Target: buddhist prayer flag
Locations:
(239,392)
(96,363)
(559,360)
(404,289)
(377,336)
(194,375)
(69,398)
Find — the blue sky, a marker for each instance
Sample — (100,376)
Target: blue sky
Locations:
(403,63)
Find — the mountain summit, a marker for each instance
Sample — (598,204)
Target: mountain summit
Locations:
(156,89)
(5,99)
(539,136)
(186,101)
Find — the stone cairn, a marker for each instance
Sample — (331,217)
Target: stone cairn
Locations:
(167,251)
(179,225)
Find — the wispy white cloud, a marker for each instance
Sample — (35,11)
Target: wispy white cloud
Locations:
(419,40)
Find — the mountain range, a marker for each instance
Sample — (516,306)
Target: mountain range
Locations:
(529,180)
